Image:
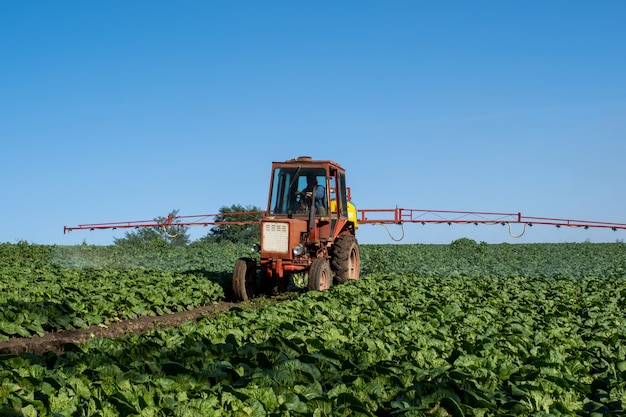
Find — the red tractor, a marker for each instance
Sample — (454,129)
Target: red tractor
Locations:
(309,227)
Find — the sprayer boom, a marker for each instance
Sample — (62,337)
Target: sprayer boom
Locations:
(372,216)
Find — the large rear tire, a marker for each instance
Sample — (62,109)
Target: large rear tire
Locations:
(320,275)
(346,259)
(244,279)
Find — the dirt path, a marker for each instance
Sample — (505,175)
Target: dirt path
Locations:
(56,341)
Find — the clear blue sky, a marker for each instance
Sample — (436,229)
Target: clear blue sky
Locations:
(126,110)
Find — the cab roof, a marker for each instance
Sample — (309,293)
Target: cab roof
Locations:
(308,161)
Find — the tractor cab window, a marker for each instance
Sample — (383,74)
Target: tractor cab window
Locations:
(296,190)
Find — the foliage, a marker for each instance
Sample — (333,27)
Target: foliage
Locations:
(61,287)
(213,258)
(466,258)
(236,233)
(512,330)
(42,300)
(388,344)
(172,234)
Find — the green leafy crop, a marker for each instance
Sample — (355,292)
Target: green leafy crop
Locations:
(490,330)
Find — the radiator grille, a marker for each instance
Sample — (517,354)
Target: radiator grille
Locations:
(275,237)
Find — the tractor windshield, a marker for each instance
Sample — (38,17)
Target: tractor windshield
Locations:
(296,190)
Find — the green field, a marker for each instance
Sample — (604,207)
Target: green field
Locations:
(461,329)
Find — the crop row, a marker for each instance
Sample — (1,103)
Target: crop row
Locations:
(210,258)
(35,301)
(462,257)
(465,257)
(48,288)
(388,344)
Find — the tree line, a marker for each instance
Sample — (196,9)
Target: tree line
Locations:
(178,235)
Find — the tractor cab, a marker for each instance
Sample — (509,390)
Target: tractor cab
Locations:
(312,197)
(297,191)
(301,185)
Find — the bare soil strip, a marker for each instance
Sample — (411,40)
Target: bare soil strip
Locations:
(56,341)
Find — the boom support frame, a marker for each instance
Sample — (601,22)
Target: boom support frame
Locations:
(402,215)
(371,216)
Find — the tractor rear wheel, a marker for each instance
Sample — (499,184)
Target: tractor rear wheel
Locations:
(320,275)
(346,259)
(244,279)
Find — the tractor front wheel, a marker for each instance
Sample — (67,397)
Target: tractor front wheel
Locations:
(244,279)
(320,275)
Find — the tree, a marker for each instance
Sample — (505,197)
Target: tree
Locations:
(236,233)
(169,234)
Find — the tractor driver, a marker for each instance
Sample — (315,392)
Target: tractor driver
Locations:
(313,190)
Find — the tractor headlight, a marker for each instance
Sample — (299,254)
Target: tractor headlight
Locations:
(298,249)
(256,248)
